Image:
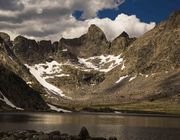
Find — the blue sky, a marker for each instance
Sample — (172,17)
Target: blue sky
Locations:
(146,10)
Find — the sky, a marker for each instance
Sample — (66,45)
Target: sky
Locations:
(54,19)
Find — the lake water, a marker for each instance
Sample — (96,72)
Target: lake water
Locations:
(105,125)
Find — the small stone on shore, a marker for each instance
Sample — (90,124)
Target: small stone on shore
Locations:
(84,133)
(54,135)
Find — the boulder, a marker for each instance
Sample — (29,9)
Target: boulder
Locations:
(55,133)
(84,133)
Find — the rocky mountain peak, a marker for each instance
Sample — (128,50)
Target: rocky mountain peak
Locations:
(92,43)
(5,36)
(124,34)
(22,39)
(95,33)
(173,20)
(93,28)
(29,51)
(175,15)
(120,44)
(19,37)
(23,44)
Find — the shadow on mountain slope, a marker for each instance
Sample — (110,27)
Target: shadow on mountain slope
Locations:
(169,87)
(19,93)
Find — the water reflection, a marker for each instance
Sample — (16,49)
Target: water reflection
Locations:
(123,127)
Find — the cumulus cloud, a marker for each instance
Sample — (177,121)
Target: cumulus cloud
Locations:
(88,7)
(112,28)
(52,19)
(91,7)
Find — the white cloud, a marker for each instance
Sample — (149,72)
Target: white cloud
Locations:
(52,19)
(112,28)
(88,7)
(91,7)
(71,28)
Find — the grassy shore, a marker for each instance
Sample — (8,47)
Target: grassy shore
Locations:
(156,107)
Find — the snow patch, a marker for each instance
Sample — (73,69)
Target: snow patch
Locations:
(141,74)
(103,64)
(29,83)
(52,107)
(48,68)
(52,97)
(59,75)
(87,64)
(132,78)
(9,102)
(121,78)
(117,112)
(11,58)
(123,66)
(37,73)
(64,50)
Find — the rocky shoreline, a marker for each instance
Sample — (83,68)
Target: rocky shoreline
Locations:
(54,135)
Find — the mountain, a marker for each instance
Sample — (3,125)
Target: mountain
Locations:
(14,92)
(127,74)
(150,62)
(92,43)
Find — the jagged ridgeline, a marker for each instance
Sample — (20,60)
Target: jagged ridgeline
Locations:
(92,71)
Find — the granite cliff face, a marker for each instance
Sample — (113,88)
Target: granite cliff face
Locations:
(90,70)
